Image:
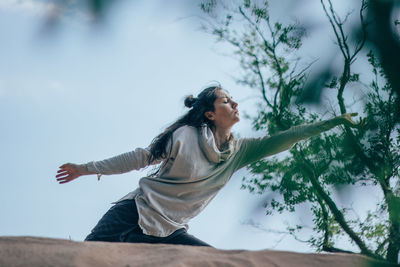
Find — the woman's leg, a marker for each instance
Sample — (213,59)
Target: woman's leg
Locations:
(120,224)
(183,238)
(119,219)
(179,237)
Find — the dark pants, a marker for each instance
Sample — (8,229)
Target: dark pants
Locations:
(120,224)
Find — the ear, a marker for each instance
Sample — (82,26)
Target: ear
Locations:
(209,115)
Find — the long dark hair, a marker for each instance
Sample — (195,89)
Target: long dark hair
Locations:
(194,117)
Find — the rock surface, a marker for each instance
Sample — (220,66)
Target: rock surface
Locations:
(36,251)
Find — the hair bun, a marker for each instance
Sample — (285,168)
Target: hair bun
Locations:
(190,101)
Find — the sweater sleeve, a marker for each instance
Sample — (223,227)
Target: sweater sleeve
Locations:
(123,163)
(253,149)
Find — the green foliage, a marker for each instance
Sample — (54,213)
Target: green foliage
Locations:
(313,169)
(208,6)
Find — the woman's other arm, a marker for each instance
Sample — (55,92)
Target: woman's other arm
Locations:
(254,149)
(123,163)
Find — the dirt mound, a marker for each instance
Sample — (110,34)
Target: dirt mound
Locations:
(36,251)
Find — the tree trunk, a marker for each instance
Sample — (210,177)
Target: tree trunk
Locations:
(394,229)
(334,209)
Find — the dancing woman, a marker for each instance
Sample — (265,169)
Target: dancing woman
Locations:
(198,155)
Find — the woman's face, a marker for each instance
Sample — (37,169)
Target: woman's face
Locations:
(226,113)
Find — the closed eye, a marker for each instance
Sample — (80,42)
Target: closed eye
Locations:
(228,100)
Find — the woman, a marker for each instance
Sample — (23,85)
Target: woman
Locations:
(198,155)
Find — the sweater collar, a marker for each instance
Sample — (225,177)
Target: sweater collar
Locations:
(208,145)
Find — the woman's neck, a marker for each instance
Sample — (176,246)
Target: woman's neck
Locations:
(221,136)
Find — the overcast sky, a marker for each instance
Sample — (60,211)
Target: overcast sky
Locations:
(79,94)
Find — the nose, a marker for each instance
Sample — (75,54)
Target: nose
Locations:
(234,104)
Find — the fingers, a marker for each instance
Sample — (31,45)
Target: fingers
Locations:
(66,179)
(68,172)
(363,122)
(63,181)
(360,124)
(60,180)
(348,120)
(65,173)
(62,174)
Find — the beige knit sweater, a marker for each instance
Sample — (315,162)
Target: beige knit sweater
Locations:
(194,172)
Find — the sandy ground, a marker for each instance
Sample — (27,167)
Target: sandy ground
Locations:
(36,251)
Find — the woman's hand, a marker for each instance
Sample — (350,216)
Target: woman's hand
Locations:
(69,172)
(346,119)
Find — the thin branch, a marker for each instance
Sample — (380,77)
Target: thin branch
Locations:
(270,50)
(381,246)
(325,216)
(278,65)
(339,40)
(363,29)
(303,70)
(340,23)
(262,83)
(267,45)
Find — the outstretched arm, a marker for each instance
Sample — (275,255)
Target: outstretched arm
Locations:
(123,163)
(253,149)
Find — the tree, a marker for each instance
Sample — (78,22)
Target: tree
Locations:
(314,168)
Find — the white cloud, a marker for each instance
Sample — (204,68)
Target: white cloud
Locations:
(48,9)
(30,6)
